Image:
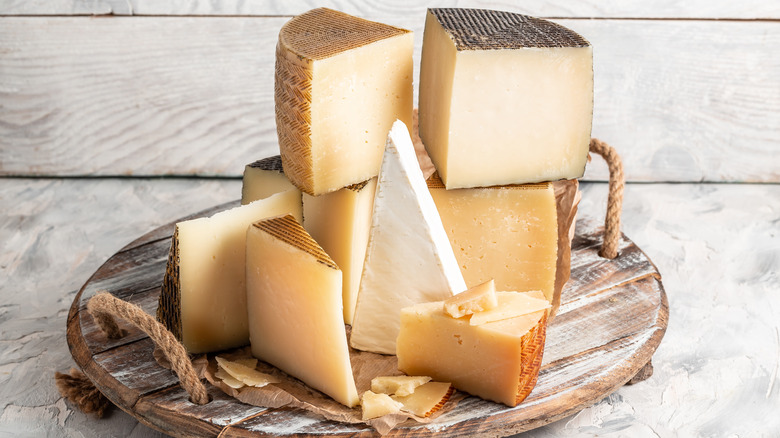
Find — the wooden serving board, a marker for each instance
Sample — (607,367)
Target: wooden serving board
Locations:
(612,317)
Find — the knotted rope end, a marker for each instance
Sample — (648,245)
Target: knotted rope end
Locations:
(77,388)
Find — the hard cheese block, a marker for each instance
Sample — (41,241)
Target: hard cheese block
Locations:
(263,178)
(504,98)
(294,308)
(409,259)
(340,83)
(506,233)
(339,221)
(497,361)
(203,297)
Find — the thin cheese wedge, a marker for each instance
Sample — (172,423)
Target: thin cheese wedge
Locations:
(504,98)
(228,380)
(409,258)
(264,178)
(340,83)
(479,298)
(397,385)
(426,399)
(376,405)
(294,308)
(510,305)
(248,376)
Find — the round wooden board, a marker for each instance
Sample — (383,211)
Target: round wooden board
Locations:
(612,317)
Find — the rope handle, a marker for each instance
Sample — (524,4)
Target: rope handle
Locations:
(609,248)
(104,306)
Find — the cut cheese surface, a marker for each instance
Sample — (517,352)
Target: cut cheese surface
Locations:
(506,233)
(203,297)
(478,298)
(376,405)
(426,399)
(397,385)
(497,361)
(264,178)
(339,221)
(504,98)
(409,259)
(294,308)
(340,83)
(510,305)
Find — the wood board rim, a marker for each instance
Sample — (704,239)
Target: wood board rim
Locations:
(501,423)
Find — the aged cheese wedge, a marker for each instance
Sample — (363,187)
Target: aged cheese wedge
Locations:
(340,83)
(479,298)
(244,374)
(263,178)
(203,297)
(376,405)
(510,305)
(294,308)
(497,361)
(409,259)
(426,399)
(507,233)
(339,221)
(519,87)
(397,385)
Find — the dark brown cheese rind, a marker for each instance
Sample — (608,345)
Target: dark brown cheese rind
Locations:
(289,231)
(271,163)
(169,305)
(482,29)
(531,354)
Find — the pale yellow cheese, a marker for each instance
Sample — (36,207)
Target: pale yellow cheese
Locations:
(340,221)
(506,233)
(376,405)
(476,299)
(294,308)
(510,305)
(504,98)
(426,399)
(203,297)
(497,361)
(340,83)
(263,178)
(245,374)
(397,385)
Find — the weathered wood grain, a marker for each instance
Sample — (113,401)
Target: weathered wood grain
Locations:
(753,9)
(192,96)
(604,336)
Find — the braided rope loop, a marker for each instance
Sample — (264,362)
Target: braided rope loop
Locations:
(609,248)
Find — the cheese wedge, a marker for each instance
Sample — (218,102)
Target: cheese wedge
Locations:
(264,178)
(504,98)
(397,385)
(426,399)
(339,221)
(497,361)
(510,305)
(409,259)
(479,298)
(203,297)
(294,308)
(340,83)
(506,233)
(376,405)
(244,374)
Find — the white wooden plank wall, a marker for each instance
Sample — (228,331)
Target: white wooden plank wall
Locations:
(185,88)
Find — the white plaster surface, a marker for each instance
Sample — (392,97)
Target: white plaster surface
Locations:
(716,245)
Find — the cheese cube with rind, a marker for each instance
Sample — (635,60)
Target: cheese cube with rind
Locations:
(510,305)
(498,361)
(426,399)
(340,221)
(294,308)
(340,83)
(397,385)
(409,259)
(203,297)
(476,299)
(518,87)
(505,233)
(264,178)
(378,404)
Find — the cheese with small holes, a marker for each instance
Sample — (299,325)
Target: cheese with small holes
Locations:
(505,233)
(339,221)
(409,259)
(294,308)
(504,98)
(264,178)
(203,297)
(497,361)
(340,83)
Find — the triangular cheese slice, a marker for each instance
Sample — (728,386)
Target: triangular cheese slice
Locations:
(511,305)
(409,259)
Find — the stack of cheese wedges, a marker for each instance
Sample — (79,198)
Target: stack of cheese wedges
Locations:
(343,228)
